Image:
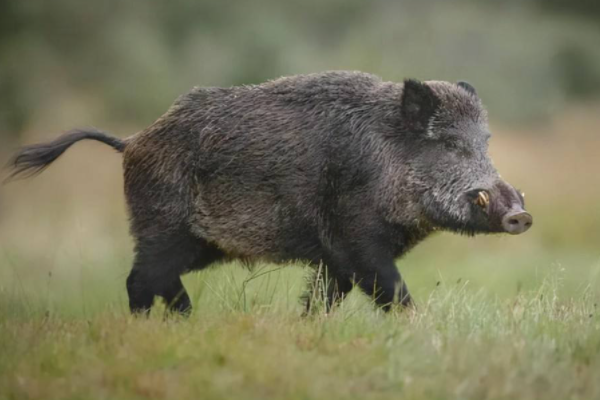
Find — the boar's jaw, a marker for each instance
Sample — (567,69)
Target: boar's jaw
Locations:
(462,216)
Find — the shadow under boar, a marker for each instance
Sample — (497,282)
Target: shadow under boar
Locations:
(340,169)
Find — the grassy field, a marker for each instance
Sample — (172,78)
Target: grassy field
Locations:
(498,317)
(252,344)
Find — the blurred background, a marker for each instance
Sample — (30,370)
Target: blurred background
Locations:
(119,65)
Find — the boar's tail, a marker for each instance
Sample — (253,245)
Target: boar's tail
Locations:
(32,160)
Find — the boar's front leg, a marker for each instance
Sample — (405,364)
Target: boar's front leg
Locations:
(328,287)
(386,286)
(370,264)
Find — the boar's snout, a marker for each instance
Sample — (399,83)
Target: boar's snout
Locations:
(503,207)
(509,206)
(517,221)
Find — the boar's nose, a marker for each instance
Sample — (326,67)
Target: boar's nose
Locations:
(517,222)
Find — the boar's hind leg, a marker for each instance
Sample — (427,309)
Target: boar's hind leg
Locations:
(157,267)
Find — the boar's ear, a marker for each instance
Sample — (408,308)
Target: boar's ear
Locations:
(418,105)
(467,86)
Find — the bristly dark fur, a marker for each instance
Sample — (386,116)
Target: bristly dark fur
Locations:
(338,168)
(32,160)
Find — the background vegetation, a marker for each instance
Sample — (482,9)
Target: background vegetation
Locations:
(499,317)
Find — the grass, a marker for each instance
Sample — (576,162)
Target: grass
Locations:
(246,339)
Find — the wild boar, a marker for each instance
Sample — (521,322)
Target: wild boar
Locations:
(339,169)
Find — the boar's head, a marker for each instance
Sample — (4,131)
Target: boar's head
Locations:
(455,182)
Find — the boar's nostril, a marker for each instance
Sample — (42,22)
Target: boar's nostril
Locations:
(516,223)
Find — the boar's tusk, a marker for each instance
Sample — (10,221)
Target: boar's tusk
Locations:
(483,199)
(479,200)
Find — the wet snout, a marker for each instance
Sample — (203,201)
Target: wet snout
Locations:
(503,207)
(514,219)
(517,221)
